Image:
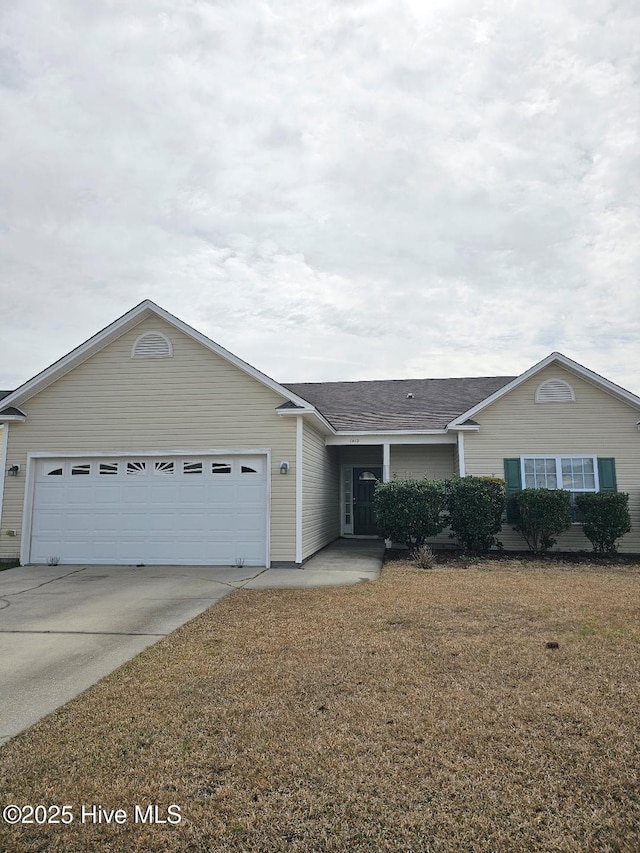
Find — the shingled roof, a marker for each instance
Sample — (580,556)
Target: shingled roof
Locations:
(396,404)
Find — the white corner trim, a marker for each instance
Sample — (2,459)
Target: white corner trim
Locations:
(557,358)
(461,464)
(4,439)
(299,487)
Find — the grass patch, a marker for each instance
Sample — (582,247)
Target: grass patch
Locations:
(423,712)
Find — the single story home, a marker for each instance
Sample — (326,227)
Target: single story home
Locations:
(152,444)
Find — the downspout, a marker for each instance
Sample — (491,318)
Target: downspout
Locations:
(299,440)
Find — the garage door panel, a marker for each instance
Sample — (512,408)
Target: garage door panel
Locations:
(157,513)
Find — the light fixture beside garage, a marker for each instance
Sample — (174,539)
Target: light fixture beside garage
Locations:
(284,467)
(14,471)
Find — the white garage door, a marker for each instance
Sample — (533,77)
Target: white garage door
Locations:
(206,510)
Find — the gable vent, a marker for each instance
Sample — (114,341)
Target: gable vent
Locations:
(555,391)
(152,345)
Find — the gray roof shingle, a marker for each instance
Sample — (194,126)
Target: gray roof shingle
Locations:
(382,405)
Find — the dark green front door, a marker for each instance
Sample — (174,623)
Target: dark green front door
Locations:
(364,481)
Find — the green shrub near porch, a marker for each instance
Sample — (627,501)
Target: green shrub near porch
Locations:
(476,506)
(410,511)
(605,517)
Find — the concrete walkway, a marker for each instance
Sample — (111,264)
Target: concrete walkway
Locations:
(62,628)
(345,561)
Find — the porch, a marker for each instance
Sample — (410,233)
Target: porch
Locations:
(362,465)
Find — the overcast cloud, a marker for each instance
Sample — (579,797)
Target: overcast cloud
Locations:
(354,189)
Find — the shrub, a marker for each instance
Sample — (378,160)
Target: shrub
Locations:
(541,515)
(423,557)
(476,506)
(409,511)
(605,517)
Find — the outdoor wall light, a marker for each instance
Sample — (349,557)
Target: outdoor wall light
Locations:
(13,471)
(284,467)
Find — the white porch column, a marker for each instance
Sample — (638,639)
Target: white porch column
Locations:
(386,462)
(461,467)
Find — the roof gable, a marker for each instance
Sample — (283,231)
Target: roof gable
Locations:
(553,358)
(119,327)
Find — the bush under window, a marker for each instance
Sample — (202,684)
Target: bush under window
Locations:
(605,517)
(476,506)
(540,515)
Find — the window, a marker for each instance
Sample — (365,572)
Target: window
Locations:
(192,467)
(136,467)
(55,472)
(108,468)
(220,467)
(573,473)
(247,469)
(163,467)
(85,468)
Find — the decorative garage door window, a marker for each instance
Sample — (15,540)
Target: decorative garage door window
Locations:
(84,468)
(237,466)
(136,467)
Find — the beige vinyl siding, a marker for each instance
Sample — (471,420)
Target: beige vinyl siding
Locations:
(320,491)
(361,455)
(415,461)
(193,401)
(596,423)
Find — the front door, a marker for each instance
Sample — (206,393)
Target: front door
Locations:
(364,482)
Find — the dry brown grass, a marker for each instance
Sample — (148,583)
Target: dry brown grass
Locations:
(420,713)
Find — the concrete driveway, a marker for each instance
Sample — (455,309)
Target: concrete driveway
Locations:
(62,628)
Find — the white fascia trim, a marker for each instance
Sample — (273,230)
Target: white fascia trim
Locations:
(128,321)
(464,428)
(299,487)
(7,418)
(558,358)
(371,439)
(306,410)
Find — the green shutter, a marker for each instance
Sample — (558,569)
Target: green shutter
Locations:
(607,475)
(513,482)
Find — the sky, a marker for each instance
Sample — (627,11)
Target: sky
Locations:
(359,189)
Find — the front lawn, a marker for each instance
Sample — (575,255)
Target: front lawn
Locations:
(423,712)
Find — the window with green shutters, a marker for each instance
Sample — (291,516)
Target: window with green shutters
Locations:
(576,474)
